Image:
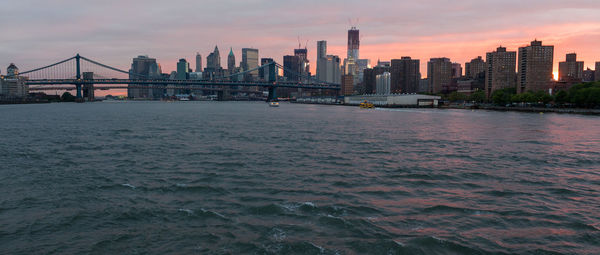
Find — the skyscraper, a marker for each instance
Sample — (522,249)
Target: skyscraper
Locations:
(321,60)
(263,73)
(571,69)
(353,43)
(142,67)
(291,67)
(535,67)
(350,63)
(183,69)
(198,62)
(213,61)
(361,65)
(500,74)
(439,74)
(302,55)
(383,83)
(231,61)
(334,73)
(475,68)
(213,65)
(405,75)
(328,66)
(347,85)
(370,78)
(249,62)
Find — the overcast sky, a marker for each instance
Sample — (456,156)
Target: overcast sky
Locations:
(35,33)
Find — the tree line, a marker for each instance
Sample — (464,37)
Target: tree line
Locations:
(585,95)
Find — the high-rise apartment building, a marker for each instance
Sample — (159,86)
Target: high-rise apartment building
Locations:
(500,74)
(198,62)
(383,82)
(588,75)
(475,68)
(456,70)
(405,75)
(439,74)
(571,69)
(535,67)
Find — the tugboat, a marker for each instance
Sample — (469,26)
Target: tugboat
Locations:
(366,105)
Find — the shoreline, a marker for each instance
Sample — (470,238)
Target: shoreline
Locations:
(581,111)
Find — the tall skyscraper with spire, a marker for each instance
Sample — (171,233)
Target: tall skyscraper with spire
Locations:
(353,43)
(213,65)
(231,61)
(213,61)
(351,61)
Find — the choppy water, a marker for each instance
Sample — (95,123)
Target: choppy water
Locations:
(243,178)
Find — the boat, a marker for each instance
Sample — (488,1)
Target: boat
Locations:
(366,105)
(274,104)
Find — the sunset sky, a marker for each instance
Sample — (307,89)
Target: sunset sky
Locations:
(35,33)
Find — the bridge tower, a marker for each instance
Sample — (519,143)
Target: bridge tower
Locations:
(272,78)
(78,82)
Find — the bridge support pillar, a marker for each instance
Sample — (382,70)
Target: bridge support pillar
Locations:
(272,94)
(78,86)
(88,88)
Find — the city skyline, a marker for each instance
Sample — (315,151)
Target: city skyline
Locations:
(389,30)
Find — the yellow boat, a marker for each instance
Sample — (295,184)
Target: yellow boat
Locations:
(366,105)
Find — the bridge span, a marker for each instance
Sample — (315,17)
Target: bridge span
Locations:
(68,73)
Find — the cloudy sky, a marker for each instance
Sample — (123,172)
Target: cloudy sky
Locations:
(40,32)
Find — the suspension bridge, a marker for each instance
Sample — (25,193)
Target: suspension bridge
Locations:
(84,75)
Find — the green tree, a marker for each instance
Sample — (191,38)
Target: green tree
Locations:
(478,96)
(517,98)
(503,96)
(561,97)
(67,97)
(455,96)
(585,94)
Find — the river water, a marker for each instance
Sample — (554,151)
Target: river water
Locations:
(244,178)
